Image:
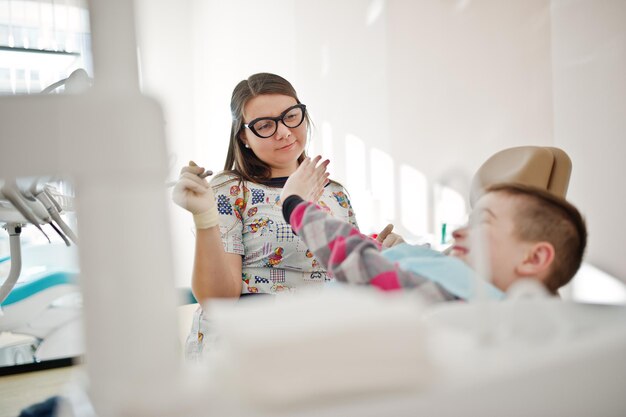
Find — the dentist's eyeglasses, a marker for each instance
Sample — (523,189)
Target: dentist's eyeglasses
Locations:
(265,127)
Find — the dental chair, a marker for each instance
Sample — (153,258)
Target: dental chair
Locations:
(45,307)
(544,167)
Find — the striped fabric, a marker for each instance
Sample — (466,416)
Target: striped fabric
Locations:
(356,258)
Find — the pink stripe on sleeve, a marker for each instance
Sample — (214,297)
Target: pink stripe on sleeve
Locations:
(296,217)
(386,281)
(337,250)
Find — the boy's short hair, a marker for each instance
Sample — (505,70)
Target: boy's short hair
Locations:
(552,219)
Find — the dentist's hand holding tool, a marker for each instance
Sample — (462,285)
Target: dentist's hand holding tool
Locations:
(193,193)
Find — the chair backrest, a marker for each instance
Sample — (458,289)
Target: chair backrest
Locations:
(539,166)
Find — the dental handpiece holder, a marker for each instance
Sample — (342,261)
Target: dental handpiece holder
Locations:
(24,202)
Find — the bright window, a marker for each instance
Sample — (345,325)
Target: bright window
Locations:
(42,42)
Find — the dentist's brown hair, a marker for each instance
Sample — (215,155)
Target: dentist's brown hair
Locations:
(241,161)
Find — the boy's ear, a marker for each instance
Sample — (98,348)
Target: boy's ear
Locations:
(539,259)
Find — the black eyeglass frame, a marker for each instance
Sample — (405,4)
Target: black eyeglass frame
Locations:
(276,120)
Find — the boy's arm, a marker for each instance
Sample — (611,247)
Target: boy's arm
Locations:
(351,256)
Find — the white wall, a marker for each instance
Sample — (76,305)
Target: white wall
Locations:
(166,62)
(404,93)
(193,53)
(589,61)
(466,79)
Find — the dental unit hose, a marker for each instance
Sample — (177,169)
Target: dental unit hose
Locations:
(49,203)
(38,208)
(54,201)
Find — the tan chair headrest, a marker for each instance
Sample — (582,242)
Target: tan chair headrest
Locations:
(538,166)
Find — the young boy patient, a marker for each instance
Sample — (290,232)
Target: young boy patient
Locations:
(527,232)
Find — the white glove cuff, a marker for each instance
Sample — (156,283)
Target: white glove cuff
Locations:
(206,219)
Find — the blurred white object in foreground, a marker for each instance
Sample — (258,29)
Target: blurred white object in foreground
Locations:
(371,354)
(592,285)
(317,346)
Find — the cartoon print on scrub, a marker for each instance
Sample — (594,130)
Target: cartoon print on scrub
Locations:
(268,251)
(257,196)
(245,278)
(277,275)
(280,288)
(240,206)
(316,275)
(267,248)
(342,199)
(223,205)
(264,225)
(275,258)
(324,207)
(315,263)
(261,280)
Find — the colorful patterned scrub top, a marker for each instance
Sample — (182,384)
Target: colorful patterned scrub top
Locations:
(252,225)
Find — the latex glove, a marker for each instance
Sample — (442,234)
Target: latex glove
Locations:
(195,195)
(308,181)
(389,239)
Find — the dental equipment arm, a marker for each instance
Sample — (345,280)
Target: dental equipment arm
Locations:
(77,82)
(14,231)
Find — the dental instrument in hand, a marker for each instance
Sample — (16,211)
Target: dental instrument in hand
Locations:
(203,175)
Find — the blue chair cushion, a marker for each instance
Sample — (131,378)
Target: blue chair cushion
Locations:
(26,289)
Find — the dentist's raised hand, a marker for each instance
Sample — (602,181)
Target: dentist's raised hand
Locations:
(308,181)
(193,193)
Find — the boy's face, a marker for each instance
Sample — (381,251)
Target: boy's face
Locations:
(493,218)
